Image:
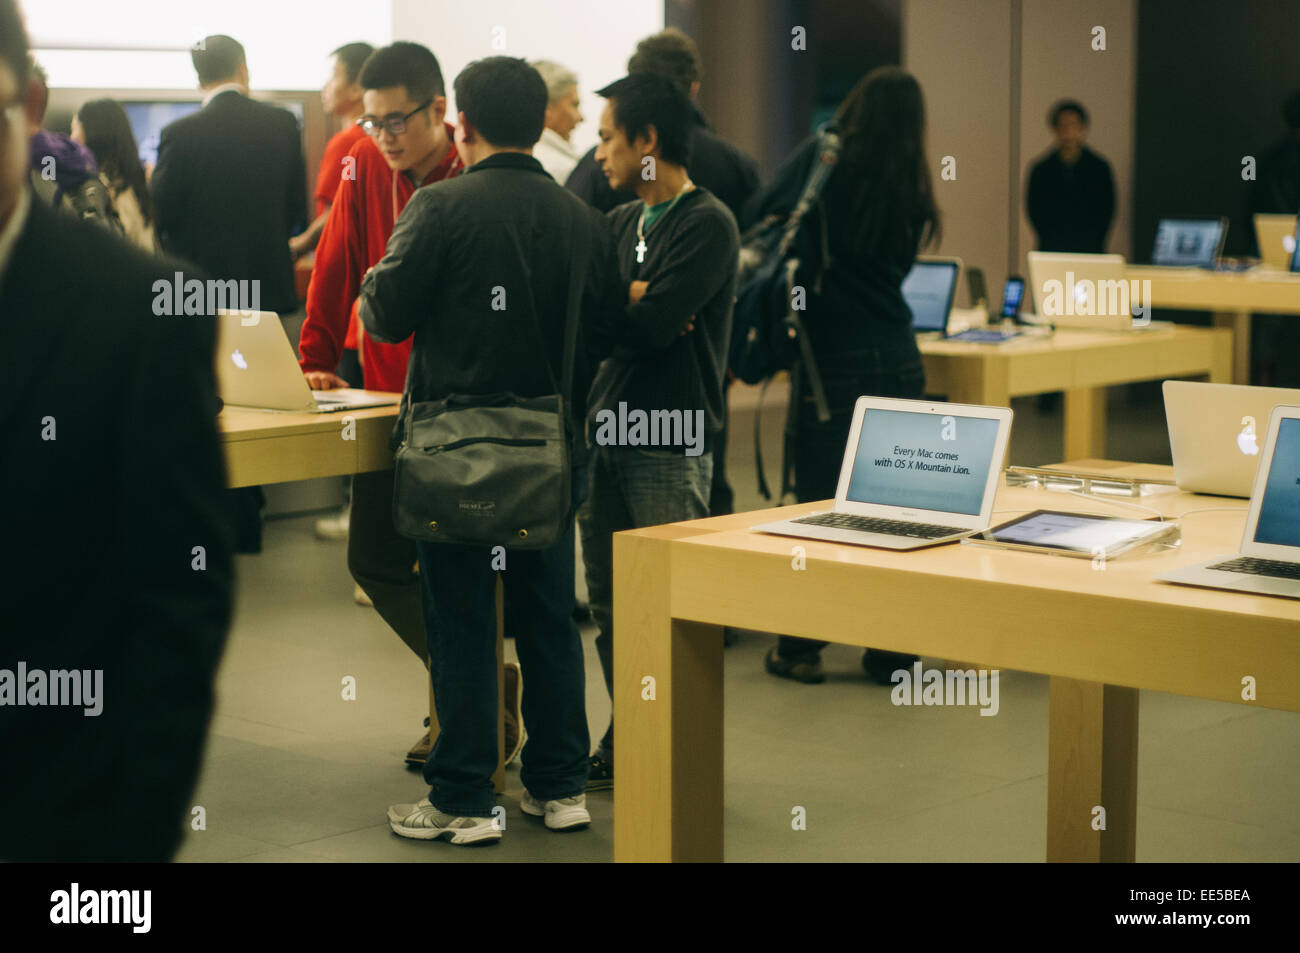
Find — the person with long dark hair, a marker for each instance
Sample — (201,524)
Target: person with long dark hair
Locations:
(877,210)
(101,125)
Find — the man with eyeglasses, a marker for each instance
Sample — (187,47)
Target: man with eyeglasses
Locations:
(409,144)
(133,613)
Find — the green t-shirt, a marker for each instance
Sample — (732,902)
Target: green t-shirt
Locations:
(652,212)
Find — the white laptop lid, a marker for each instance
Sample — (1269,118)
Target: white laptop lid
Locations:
(1216,432)
(1189,242)
(929,290)
(1275,235)
(256,366)
(923,461)
(1273,523)
(1083,291)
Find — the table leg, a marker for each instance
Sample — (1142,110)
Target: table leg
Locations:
(1091,764)
(499,775)
(1239,321)
(668,713)
(1085,423)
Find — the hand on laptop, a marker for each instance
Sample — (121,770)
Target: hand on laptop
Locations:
(323,380)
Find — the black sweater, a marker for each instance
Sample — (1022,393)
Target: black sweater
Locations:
(1071,207)
(690,263)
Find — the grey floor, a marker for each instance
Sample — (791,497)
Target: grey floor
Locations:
(295,773)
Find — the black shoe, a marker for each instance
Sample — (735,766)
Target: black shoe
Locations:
(880,665)
(600,774)
(807,669)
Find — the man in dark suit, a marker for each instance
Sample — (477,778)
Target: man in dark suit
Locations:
(115,623)
(230,185)
(229,190)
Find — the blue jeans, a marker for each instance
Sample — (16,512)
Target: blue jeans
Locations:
(632,488)
(458,584)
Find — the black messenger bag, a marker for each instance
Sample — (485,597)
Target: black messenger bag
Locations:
(492,470)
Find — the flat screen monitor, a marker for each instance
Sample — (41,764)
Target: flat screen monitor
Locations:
(1188,243)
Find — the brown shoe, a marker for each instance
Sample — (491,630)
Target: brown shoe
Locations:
(419,752)
(514,723)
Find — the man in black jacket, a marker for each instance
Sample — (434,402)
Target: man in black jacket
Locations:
(229,189)
(678,247)
(116,624)
(715,164)
(478,269)
(1071,193)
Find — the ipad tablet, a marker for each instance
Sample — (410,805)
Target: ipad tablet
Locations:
(1084,535)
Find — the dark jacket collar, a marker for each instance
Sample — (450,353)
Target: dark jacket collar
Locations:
(508,160)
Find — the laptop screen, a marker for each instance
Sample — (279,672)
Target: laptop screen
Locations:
(1187,243)
(928,290)
(923,461)
(1279,510)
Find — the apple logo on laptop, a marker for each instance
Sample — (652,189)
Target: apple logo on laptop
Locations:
(239,360)
(1246,439)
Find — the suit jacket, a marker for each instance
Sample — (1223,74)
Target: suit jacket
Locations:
(111,473)
(229,190)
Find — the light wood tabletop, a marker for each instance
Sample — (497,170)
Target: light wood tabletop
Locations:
(1231,296)
(1102,632)
(1080,363)
(264,446)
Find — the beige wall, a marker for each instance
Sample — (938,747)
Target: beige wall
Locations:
(990,70)
(1058,61)
(960,52)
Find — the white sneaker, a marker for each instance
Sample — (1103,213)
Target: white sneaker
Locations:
(565,814)
(335,527)
(423,821)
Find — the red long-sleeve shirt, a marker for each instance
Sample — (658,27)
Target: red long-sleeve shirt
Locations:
(361,219)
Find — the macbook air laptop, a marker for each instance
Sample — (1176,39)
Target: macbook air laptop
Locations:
(256,367)
(1189,242)
(915,473)
(1275,235)
(1269,561)
(929,290)
(1082,291)
(1215,432)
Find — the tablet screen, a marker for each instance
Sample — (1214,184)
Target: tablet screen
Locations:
(1068,532)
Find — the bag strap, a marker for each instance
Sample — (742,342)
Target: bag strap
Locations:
(828,153)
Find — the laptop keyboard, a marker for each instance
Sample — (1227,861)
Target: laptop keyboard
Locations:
(1260,567)
(868,524)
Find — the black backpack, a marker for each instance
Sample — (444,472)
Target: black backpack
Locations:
(767,333)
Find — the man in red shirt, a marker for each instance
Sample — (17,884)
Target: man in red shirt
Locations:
(409,145)
(342,97)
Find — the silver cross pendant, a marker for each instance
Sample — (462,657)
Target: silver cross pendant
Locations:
(640,251)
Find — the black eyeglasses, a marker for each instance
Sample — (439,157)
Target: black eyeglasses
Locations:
(396,125)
